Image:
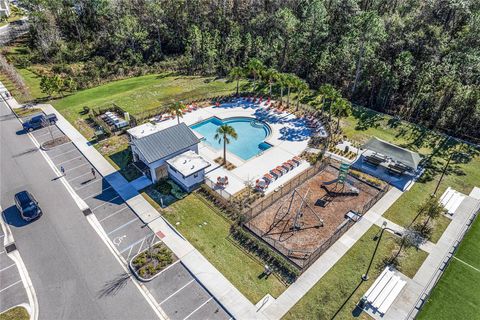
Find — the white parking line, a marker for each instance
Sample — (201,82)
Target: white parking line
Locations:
(106,202)
(19,281)
(134,244)
(197,309)
(83,174)
(122,226)
(111,215)
(44,134)
(2,252)
(1,270)
(63,162)
(166,299)
(84,164)
(62,154)
(96,193)
(89,183)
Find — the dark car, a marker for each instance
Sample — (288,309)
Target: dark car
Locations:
(40,121)
(27,205)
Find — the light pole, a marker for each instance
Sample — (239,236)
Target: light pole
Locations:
(378,239)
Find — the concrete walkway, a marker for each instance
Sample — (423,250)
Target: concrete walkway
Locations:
(309,278)
(239,306)
(410,300)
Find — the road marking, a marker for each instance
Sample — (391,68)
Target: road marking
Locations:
(84,164)
(2,252)
(58,164)
(61,154)
(7,267)
(44,134)
(165,300)
(88,183)
(111,215)
(117,240)
(134,244)
(84,174)
(122,226)
(97,194)
(106,202)
(19,281)
(466,264)
(197,309)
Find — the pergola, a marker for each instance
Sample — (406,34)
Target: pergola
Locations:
(397,159)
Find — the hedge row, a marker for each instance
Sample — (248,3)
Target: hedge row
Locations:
(274,260)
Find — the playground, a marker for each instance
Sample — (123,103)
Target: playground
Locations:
(302,221)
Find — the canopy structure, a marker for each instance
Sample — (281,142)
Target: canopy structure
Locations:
(396,153)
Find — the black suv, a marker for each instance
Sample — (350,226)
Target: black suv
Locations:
(27,205)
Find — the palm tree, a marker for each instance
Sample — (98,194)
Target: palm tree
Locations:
(341,108)
(302,90)
(270,75)
(177,110)
(255,67)
(290,80)
(224,132)
(236,73)
(282,81)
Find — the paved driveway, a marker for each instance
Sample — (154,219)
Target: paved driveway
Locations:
(12,292)
(179,294)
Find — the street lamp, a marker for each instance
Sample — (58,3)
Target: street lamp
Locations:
(378,238)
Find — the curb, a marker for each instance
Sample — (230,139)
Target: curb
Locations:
(139,277)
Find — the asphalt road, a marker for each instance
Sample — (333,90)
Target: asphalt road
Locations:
(74,274)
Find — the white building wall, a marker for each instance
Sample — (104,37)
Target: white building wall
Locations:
(160,162)
(186,182)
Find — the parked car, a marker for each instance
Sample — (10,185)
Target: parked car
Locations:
(27,205)
(39,121)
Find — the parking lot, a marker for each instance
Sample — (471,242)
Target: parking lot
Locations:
(178,293)
(12,292)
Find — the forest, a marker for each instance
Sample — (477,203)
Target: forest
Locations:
(418,60)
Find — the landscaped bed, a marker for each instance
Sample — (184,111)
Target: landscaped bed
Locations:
(16,313)
(149,263)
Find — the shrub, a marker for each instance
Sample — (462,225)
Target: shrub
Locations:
(164,187)
(276,261)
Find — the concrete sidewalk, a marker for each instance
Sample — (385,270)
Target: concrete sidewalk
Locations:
(239,306)
(233,300)
(309,278)
(410,300)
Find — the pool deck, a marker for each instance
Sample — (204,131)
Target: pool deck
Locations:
(289,138)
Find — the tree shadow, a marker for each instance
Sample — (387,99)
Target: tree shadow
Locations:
(366,119)
(112,287)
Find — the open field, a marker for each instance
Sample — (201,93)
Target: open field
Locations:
(457,294)
(208,231)
(462,175)
(328,295)
(276,223)
(141,94)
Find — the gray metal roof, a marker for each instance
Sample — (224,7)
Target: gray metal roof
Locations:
(166,142)
(407,157)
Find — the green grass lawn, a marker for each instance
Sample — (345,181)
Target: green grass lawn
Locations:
(328,295)
(457,294)
(17,313)
(207,231)
(140,94)
(461,176)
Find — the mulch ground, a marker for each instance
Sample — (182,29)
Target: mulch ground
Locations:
(277,221)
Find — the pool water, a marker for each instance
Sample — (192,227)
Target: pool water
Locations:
(251,135)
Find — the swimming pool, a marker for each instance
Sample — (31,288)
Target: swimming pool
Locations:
(251,135)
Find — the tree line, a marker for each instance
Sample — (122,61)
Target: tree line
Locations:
(417,60)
